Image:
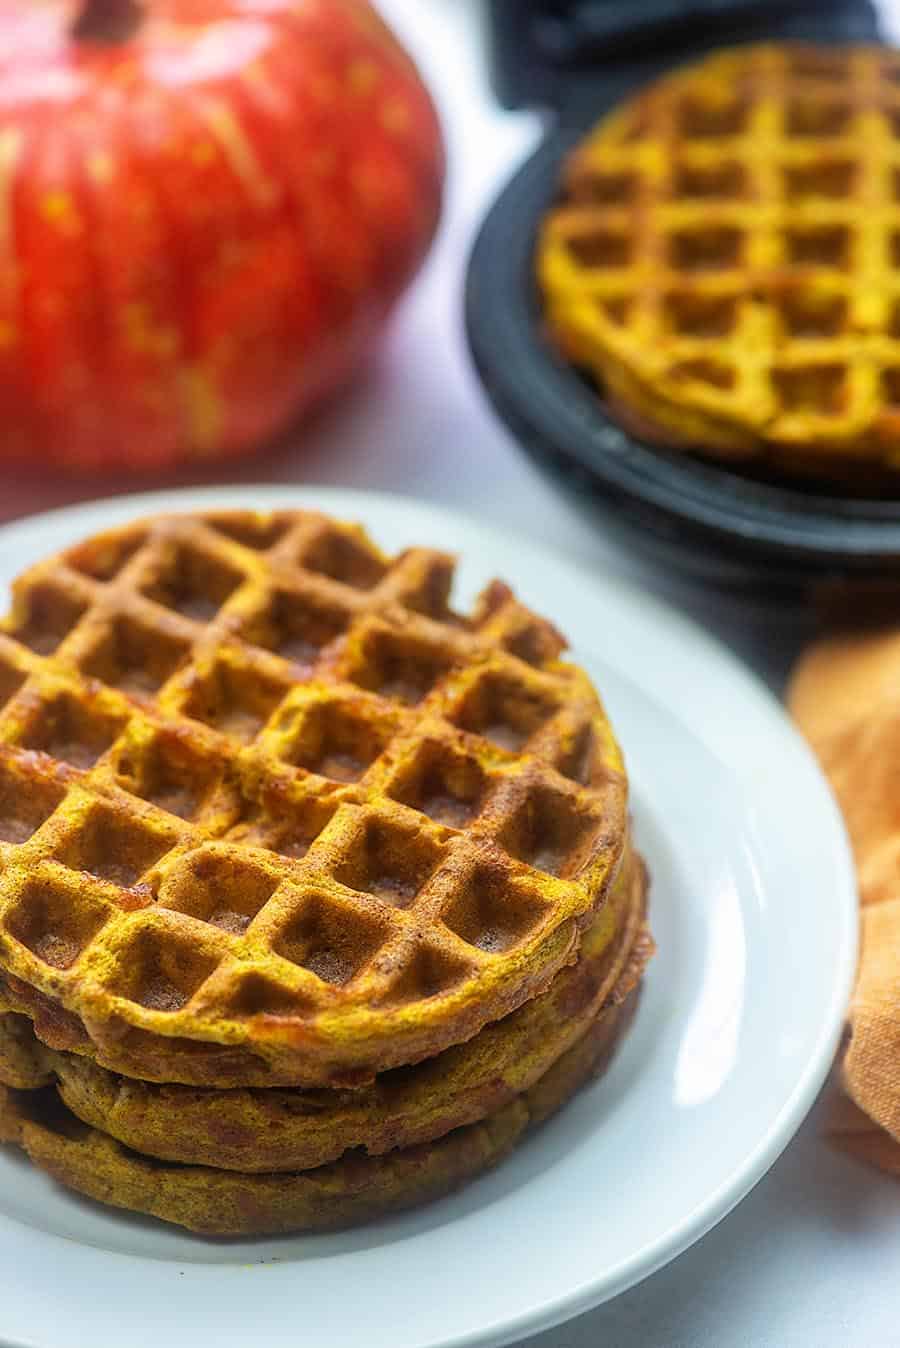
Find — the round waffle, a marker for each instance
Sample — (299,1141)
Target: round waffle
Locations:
(352,1190)
(272,814)
(726,259)
(270,1130)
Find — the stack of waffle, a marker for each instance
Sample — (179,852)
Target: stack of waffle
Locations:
(314,895)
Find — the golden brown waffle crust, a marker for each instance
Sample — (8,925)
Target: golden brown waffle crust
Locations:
(354,1189)
(271,813)
(269,1130)
(725,260)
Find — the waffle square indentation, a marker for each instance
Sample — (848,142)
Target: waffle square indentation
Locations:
(169,773)
(397,666)
(48,615)
(724,179)
(54,923)
(532,640)
(816,117)
(161,969)
(551,831)
(256,995)
(713,117)
(343,556)
(695,315)
(71,731)
(593,186)
(505,710)
(134,657)
(705,370)
(389,861)
(580,758)
(811,316)
(337,740)
(329,940)
(811,388)
(826,180)
(113,847)
(26,802)
(289,830)
(617,310)
(429,972)
(193,583)
(295,626)
(705,248)
(442,783)
(491,912)
(218,888)
(600,249)
(102,558)
(259,532)
(818,246)
(235,701)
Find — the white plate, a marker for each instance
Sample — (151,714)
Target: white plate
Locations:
(754,910)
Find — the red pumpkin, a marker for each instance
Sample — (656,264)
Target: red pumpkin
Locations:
(207,207)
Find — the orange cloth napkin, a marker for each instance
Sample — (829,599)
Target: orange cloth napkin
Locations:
(845,697)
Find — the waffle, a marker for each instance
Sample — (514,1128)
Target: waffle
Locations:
(725,260)
(273,814)
(355,1189)
(24,1062)
(270,1130)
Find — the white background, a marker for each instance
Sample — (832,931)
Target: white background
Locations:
(812,1257)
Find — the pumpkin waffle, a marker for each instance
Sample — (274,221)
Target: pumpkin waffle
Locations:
(352,1190)
(725,259)
(273,814)
(269,1130)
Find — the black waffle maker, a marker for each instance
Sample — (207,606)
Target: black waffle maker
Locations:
(763,539)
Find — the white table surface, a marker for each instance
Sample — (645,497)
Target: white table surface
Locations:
(812,1257)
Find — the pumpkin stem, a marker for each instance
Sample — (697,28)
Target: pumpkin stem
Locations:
(107,20)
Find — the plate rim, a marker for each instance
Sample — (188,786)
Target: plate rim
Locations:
(591,1292)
